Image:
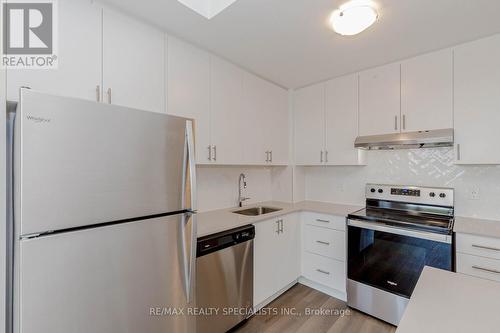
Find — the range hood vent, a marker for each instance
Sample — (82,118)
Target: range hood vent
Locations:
(410,140)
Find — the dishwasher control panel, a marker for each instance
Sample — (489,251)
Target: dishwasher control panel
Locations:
(222,240)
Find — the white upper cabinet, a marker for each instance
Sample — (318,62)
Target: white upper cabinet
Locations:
(226,112)
(279,128)
(379,100)
(133,63)
(427,92)
(188,86)
(326,123)
(79,70)
(477,101)
(341,114)
(309,110)
(265,122)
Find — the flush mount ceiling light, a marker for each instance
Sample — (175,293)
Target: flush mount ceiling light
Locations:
(207,8)
(353,17)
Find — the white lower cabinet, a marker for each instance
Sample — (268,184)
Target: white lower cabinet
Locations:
(325,271)
(324,252)
(324,242)
(276,256)
(478,256)
(308,247)
(482,267)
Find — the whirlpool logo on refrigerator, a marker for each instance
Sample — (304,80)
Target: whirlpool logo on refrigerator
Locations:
(29,34)
(38,120)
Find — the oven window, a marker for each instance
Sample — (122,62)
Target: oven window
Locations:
(392,262)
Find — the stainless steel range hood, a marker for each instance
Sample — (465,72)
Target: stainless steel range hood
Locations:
(410,140)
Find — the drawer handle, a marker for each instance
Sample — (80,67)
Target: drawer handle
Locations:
(486,269)
(486,247)
(322,271)
(323,243)
(326,221)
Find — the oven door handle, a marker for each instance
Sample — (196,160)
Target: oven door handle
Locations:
(399,231)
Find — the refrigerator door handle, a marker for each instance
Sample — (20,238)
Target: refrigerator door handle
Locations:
(188,227)
(188,240)
(189,171)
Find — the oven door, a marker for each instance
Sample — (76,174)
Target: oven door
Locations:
(392,259)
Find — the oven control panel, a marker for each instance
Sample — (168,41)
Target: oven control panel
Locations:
(412,194)
(405,191)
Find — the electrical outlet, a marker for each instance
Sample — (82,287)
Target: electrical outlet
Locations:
(474,193)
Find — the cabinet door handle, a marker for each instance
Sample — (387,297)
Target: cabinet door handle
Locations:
(395,123)
(209,153)
(459,155)
(278,229)
(323,221)
(404,121)
(486,247)
(321,157)
(98,93)
(322,271)
(282,229)
(322,243)
(326,156)
(109,95)
(267,156)
(215,152)
(494,271)
(271,158)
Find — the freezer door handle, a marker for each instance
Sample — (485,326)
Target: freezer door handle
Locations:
(188,247)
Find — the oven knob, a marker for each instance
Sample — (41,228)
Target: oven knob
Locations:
(442,195)
(380,190)
(432,194)
(372,190)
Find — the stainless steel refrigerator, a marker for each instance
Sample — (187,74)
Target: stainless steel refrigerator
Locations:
(101,218)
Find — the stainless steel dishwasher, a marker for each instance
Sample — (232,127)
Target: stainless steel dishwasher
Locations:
(224,279)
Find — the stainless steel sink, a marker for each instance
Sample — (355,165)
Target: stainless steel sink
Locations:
(256,211)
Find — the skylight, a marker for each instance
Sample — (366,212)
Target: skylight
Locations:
(207,8)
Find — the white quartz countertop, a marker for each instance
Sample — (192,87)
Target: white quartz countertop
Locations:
(224,219)
(447,302)
(480,227)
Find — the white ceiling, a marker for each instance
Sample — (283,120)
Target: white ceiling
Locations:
(289,42)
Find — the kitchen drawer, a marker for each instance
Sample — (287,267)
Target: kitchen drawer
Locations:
(325,271)
(481,267)
(478,245)
(325,221)
(326,242)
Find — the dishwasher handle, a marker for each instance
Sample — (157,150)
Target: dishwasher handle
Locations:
(225,239)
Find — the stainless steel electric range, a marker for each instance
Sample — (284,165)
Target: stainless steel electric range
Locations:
(401,230)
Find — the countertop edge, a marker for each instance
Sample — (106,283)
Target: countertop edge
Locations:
(434,298)
(224,219)
(477,226)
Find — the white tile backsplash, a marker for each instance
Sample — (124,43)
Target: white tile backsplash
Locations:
(426,167)
(218,186)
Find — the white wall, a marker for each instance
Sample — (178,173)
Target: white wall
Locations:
(431,167)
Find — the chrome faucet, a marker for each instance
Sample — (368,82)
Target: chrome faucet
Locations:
(240,189)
